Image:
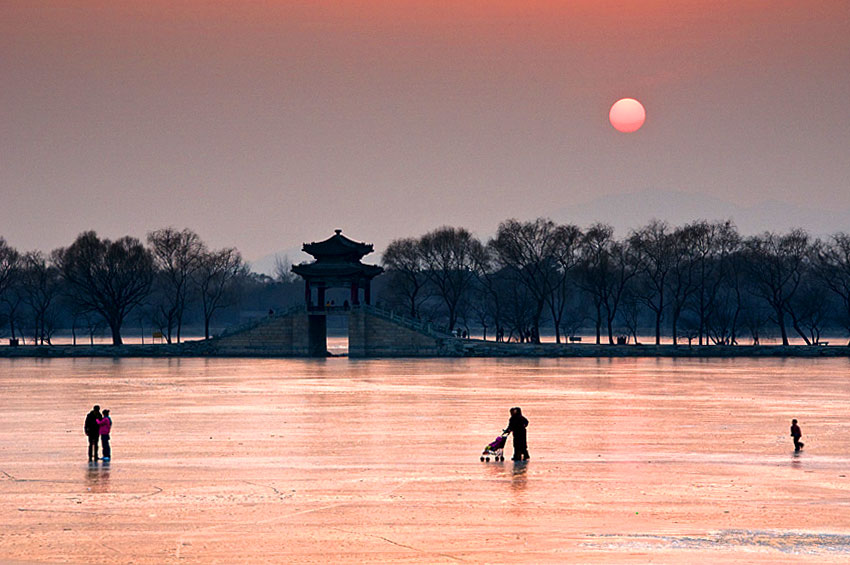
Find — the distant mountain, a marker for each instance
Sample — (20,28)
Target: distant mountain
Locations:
(628,211)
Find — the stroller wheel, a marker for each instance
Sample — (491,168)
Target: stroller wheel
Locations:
(502,458)
(482,458)
(487,459)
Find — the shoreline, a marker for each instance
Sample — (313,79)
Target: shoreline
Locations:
(468,348)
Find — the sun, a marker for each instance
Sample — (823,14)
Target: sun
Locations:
(627,115)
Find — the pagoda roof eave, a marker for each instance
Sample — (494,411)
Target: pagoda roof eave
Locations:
(337,246)
(334,270)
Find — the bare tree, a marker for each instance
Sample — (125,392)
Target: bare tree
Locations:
(810,309)
(630,312)
(654,246)
(729,301)
(595,269)
(10,263)
(519,307)
(450,256)
(775,264)
(215,276)
(40,284)
(755,316)
(177,256)
(832,267)
(713,244)
(608,266)
(681,278)
(404,260)
(487,301)
(541,256)
(566,255)
(107,277)
(575,312)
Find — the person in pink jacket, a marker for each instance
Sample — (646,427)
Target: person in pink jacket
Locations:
(105,424)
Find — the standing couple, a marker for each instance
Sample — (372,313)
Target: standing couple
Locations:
(98,426)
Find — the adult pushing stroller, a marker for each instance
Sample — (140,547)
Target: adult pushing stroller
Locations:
(495,448)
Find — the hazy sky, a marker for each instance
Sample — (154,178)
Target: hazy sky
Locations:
(265,123)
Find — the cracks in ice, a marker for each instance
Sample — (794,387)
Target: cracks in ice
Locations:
(388,540)
(4,476)
(110,548)
(154,493)
(277,492)
(60,511)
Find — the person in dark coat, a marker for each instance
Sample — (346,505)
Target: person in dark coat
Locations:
(796,434)
(516,426)
(92,429)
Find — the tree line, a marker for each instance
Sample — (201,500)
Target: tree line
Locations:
(98,284)
(701,282)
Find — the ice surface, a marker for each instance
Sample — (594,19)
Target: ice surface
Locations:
(337,460)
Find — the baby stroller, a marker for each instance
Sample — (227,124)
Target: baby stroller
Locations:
(495,448)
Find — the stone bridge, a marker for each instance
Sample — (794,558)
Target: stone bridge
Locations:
(372,332)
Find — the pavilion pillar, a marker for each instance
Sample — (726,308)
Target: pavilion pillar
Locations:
(367,292)
(321,298)
(308,294)
(355,293)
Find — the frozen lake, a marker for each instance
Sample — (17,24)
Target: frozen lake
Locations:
(338,460)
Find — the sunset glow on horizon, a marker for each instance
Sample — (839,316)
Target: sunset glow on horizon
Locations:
(427,108)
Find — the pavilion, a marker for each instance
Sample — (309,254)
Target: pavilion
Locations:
(337,265)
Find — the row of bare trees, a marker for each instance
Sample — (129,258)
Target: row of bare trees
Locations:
(99,282)
(701,281)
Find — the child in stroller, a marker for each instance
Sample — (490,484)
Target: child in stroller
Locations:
(495,448)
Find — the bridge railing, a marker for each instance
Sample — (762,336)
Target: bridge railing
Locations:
(405,321)
(254,322)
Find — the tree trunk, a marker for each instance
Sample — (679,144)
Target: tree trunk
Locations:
(206,327)
(780,321)
(116,333)
(537,315)
(796,325)
(675,327)
(658,327)
(598,324)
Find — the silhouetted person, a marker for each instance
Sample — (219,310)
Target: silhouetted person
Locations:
(516,426)
(105,426)
(796,434)
(92,429)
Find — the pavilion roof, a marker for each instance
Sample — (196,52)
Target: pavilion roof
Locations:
(338,248)
(332,270)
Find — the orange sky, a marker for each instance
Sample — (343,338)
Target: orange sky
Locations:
(263,124)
